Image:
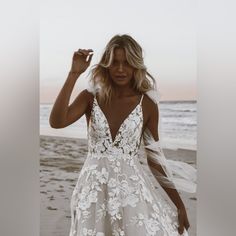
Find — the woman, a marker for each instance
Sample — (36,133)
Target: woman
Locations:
(113,194)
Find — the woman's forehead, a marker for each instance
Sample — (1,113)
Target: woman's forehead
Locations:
(119,53)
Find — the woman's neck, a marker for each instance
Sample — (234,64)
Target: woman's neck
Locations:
(123,91)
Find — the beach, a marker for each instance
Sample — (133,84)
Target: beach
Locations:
(61,160)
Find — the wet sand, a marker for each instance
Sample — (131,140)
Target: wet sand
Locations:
(61,160)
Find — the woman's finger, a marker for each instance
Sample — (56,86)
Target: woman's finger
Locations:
(180,229)
(90,58)
(89,50)
(85,49)
(187,225)
(77,55)
(181,222)
(85,52)
(81,52)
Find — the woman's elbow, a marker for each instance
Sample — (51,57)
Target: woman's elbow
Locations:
(55,125)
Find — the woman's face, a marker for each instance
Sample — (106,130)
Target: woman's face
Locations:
(120,71)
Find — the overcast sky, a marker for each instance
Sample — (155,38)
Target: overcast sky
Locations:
(165,29)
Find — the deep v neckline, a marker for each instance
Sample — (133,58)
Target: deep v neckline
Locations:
(121,125)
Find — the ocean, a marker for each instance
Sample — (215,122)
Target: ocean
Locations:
(178,129)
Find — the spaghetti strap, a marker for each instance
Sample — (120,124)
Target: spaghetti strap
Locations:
(141,99)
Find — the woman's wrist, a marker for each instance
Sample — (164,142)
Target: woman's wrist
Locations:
(72,72)
(175,197)
(180,206)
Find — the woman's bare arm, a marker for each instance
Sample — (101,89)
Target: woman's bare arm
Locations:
(62,113)
(152,124)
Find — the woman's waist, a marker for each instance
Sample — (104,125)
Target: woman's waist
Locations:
(112,155)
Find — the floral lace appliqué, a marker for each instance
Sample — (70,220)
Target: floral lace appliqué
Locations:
(113,196)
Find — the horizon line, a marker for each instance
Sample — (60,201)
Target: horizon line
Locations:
(190,100)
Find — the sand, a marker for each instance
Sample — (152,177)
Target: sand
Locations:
(61,160)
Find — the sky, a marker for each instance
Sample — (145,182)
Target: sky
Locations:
(165,29)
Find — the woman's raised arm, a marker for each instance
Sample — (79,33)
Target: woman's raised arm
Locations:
(62,114)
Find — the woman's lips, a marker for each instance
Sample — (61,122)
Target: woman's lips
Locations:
(120,77)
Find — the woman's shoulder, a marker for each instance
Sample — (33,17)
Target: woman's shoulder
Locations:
(88,93)
(149,102)
(150,108)
(88,96)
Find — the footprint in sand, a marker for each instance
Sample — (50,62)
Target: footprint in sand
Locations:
(60,190)
(51,208)
(51,198)
(43,192)
(193,198)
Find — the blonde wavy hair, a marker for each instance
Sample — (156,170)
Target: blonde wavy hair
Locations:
(142,81)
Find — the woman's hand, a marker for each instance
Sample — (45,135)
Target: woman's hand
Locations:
(81,60)
(183,220)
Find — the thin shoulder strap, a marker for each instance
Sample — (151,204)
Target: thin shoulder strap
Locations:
(141,99)
(95,96)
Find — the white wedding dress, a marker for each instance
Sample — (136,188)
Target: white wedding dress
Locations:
(113,195)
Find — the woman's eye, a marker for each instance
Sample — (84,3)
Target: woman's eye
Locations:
(116,63)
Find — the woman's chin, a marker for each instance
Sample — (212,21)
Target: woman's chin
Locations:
(121,82)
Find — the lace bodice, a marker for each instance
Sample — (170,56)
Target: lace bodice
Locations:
(127,139)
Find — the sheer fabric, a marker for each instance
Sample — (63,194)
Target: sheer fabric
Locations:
(178,175)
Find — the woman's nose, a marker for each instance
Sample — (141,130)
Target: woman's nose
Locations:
(120,68)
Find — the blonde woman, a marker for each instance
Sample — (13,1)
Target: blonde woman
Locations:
(113,194)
